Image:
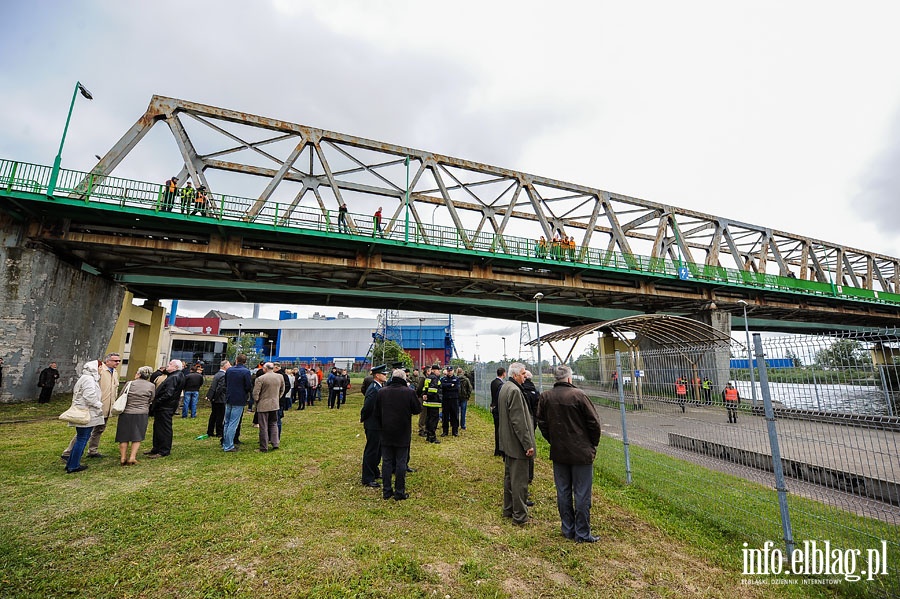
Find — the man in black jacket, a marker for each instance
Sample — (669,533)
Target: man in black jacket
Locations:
(216,397)
(569,422)
(449,386)
(395,405)
(163,407)
(46,381)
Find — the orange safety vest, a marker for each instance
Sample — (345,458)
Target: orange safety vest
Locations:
(172,186)
(731,395)
(680,388)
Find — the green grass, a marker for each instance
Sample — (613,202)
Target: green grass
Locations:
(297,523)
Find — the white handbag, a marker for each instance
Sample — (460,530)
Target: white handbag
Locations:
(119,405)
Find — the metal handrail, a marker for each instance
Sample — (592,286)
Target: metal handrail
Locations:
(108,191)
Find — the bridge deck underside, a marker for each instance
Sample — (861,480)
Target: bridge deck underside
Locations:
(163,257)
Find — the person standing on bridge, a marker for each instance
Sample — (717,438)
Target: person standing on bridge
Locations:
(188,193)
(732,400)
(200,202)
(342,219)
(378,224)
(170,190)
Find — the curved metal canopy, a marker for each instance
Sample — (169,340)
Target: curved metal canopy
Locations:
(661,329)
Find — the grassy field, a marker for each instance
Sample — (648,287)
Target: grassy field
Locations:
(298,523)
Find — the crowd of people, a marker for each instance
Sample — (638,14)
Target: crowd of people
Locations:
(393,396)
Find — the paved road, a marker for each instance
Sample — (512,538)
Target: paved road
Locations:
(861,451)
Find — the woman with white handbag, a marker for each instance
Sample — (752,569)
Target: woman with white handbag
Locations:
(85,396)
(132,424)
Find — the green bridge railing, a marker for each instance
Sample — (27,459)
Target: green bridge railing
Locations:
(17,178)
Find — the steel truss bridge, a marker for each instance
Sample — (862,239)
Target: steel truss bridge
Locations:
(285,245)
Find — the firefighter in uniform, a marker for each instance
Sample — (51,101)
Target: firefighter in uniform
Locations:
(732,400)
(431,400)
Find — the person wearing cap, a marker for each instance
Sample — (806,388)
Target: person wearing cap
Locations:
(372,452)
(170,190)
(449,386)
(395,405)
(431,401)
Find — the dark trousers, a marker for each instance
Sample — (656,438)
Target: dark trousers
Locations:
(216,424)
(573,498)
(496,432)
(450,407)
(46,392)
(732,410)
(299,395)
(394,462)
(334,397)
(371,456)
(162,432)
(431,423)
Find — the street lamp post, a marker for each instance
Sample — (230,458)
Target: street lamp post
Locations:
(237,344)
(315,355)
(749,355)
(504,349)
(271,349)
(54,173)
(421,345)
(537,316)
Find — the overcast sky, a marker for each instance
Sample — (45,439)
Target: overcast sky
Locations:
(783,114)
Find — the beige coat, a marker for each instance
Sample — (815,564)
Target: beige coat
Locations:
(268,391)
(109,388)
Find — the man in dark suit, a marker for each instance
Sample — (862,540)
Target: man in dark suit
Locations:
(372,452)
(46,381)
(496,384)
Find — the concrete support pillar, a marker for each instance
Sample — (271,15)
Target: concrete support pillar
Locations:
(149,322)
(50,311)
(715,363)
(120,331)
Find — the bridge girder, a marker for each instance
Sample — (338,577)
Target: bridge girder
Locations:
(333,168)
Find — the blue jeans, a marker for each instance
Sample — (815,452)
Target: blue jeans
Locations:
(463,405)
(232,418)
(190,404)
(574,482)
(82,434)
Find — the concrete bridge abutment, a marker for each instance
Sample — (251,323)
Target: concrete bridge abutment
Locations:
(50,311)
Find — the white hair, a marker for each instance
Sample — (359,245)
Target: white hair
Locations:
(269,366)
(399,373)
(515,369)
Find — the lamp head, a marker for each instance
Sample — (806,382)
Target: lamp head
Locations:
(743,302)
(538,296)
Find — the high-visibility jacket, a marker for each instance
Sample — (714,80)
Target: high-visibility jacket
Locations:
(680,387)
(431,388)
(707,384)
(731,394)
(187,194)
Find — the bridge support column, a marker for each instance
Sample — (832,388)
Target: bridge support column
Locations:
(149,321)
(716,363)
(50,311)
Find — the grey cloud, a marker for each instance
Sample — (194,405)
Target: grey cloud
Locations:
(880,185)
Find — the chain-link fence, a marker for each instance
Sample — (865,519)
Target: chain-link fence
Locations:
(826,406)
